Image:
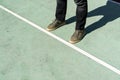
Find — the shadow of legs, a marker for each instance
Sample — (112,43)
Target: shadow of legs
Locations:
(71,20)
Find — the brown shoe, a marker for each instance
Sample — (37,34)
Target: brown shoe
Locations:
(55,24)
(77,36)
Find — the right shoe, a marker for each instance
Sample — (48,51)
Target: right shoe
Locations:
(77,36)
(55,24)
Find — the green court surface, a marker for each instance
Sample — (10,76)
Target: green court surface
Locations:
(27,53)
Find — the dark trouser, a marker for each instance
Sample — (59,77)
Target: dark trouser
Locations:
(81,12)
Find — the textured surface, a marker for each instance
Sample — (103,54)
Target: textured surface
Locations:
(29,54)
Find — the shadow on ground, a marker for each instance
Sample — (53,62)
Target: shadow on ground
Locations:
(110,12)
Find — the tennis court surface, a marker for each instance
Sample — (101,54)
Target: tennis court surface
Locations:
(29,52)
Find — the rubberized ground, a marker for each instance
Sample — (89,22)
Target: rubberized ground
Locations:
(30,53)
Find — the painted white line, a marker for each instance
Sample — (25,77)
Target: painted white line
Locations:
(63,41)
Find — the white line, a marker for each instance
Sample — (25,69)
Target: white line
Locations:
(63,41)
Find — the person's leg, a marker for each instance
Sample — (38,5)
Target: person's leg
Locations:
(60,15)
(81,14)
(61,10)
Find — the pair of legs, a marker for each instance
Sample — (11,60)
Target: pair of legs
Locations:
(81,12)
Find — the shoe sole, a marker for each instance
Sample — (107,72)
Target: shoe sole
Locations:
(73,42)
(56,27)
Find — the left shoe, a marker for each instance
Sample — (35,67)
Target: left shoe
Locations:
(77,36)
(55,24)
